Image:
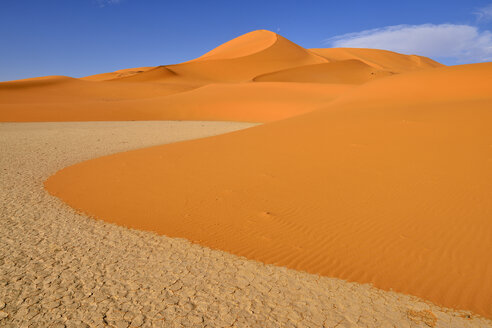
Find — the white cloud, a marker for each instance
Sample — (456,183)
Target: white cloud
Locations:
(484,14)
(462,43)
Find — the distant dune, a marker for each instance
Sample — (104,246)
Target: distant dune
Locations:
(351,71)
(117,74)
(390,184)
(380,59)
(235,67)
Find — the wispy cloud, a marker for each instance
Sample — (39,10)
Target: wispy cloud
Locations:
(484,14)
(104,3)
(461,43)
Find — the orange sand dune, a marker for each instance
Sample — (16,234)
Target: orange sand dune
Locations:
(351,71)
(381,59)
(235,61)
(155,74)
(116,74)
(244,45)
(62,89)
(180,91)
(250,102)
(390,184)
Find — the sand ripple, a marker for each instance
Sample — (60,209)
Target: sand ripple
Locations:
(62,269)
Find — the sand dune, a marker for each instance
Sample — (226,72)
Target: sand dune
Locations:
(381,59)
(62,89)
(389,184)
(244,45)
(155,74)
(351,71)
(116,74)
(61,268)
(253,102)
(69,99)
(376,167)
(237,61)
(163,92)
(250,102)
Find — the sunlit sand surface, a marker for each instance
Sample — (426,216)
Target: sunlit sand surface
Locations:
(373,166)
(59,267)
(220,85)
(390,184)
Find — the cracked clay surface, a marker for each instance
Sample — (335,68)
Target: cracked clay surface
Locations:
(60,268)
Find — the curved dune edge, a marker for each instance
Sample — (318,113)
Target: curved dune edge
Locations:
(248,102)
(82,271)
(229,72)
(243,45)
(387,186)
(379,59)
(349,71)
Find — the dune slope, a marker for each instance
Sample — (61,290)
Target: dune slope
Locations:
(151,93)
(381,59)
(350,71)
(249,102)
(390,184)
(116,74)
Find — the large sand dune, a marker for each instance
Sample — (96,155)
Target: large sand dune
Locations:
(163,92)
(374,167)
(388,184)
(250,102)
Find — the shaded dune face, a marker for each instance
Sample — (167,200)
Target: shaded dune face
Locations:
(380,59)
(390,184)
(155,74)
(244,45)
(121,101)
(117,74)
(168,92)
(349,71)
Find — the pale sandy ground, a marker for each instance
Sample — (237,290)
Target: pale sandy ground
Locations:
(59,268)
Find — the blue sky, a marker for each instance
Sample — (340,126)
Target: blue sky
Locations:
(84,37)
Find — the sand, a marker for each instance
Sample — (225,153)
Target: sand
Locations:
(59,268)
(373,167)
(222,85)
(380,59)
(389,185)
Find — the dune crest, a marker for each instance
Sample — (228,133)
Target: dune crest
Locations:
(390,184)
(178,91)
(244,45)
(159,73)
(381,59)
(350,71)
(116,74)
(275,53)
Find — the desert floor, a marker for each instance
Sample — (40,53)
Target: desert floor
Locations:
(59,268)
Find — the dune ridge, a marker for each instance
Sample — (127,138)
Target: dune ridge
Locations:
(374,167)
(381,59)
(151,93)
(350,71)
(241,46)
(388,184)
(116,74)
